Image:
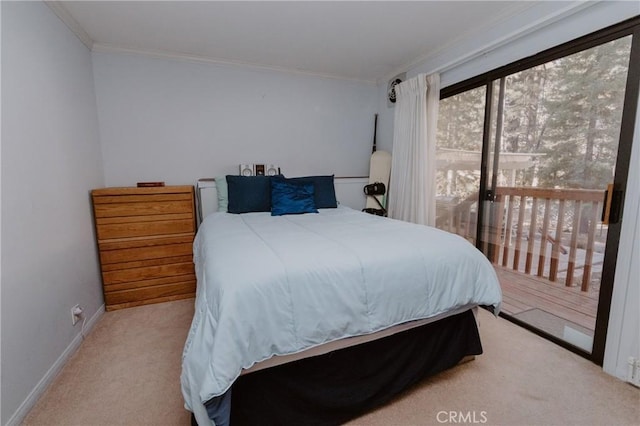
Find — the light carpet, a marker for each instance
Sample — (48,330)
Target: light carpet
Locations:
(127,372)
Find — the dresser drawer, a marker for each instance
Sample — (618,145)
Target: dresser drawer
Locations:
(152,241)
(147,262)
(130,285)
(144,228)
(149,293)
(147,272)
(109,257)
(146,208)
(140,195)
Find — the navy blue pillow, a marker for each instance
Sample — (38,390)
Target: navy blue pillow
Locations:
(289,197)
(325,192)
(248,194)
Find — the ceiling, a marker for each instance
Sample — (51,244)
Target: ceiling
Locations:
(359,40)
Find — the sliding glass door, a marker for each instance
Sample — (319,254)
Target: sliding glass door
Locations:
(532,170)
(458,160)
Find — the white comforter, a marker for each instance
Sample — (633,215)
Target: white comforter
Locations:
(279,285)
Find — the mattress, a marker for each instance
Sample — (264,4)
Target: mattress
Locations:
(276,286)
(348,342)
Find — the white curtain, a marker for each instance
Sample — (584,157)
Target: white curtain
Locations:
(412,187)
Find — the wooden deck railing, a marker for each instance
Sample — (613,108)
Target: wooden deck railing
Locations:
(524,220)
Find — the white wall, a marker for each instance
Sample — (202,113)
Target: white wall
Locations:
(623,336)
(529,35)
(0,217)
(177,121)
(50,161)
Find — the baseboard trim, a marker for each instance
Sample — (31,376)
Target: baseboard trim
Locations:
(52,373)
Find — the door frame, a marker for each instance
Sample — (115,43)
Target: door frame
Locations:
(627,126)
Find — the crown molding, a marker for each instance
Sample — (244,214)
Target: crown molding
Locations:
(61,12)
(64,15)
(190,57)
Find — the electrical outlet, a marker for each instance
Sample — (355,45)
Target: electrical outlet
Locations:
(76,314)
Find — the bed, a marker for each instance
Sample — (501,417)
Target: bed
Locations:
(290,309)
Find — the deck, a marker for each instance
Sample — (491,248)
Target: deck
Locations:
(548,305)
(547,246)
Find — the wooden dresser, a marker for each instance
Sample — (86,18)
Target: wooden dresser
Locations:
(145,238)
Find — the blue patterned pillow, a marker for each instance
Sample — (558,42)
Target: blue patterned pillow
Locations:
(325,192)
(289,197)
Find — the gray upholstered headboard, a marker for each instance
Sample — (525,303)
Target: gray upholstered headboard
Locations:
(349,192)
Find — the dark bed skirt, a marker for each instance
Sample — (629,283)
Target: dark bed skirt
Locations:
(333,388)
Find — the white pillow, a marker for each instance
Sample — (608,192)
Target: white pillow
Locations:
(223,193)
